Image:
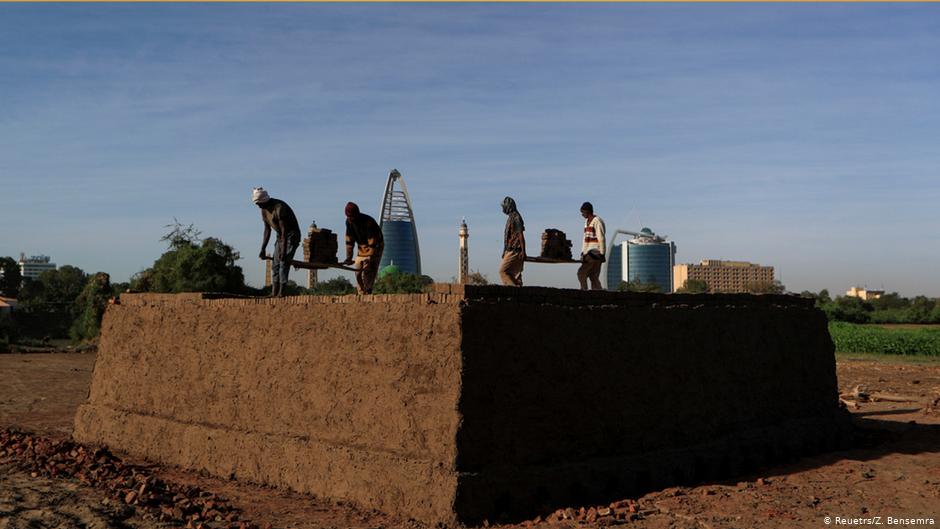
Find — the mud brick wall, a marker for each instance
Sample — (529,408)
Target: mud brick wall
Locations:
(468,402)
(571,396)
(352,397)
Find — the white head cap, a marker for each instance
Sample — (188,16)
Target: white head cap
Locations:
(259,195)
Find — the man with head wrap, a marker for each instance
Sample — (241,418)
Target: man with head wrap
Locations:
(363,230)
(510,270)
(278,216)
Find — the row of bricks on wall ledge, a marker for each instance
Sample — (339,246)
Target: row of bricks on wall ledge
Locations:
(449,293)
(213,299)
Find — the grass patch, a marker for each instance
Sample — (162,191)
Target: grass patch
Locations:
(870,339)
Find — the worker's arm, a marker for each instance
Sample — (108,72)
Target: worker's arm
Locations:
(265,238)
(349,245)
(599,232)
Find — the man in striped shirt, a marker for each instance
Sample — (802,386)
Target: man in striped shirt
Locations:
(592,249)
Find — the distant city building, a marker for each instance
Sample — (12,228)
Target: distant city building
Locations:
(864,294)
(398,227)
(647,258)
(31,267)
(463,262)
(723,276)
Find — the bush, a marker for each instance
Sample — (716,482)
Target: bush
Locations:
(8,333)
(398,282)
(91,304)
(848,309)
(338,286)
(638,286)
(693,286)
(192,264)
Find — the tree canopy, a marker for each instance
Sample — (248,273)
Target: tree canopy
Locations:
(338,286)
(398,282)
(191,264)
(54,290)
(10,278)
(90,306)
(693,286)
(635,285)
(765,287)
(889,308)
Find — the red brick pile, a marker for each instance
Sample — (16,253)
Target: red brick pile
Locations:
(182,504)
(615,513)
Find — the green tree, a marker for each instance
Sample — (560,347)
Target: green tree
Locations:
(338,286)
(54,290)
(848,308)
(118,288)
(693,286)
(935,314)
(191,264)
(8,332)
(765,287)
(10,278)
(636,285)
(291,288)
(892,300)
(90,307)
(823,297)
(919,311)
(397,282)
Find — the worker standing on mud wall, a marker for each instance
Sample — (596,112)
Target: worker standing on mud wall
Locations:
(510,270)
(363,230)
(592,249)
(278,216)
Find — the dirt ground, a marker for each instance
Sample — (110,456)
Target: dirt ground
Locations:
(892,476)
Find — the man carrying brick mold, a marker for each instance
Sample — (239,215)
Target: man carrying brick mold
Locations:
(510,270)
(277,215)
(363,230)
(592,250)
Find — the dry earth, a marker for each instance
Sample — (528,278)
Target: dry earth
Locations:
(893,472)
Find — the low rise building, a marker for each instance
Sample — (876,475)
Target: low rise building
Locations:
(723,276)
(33,266)
(864,294)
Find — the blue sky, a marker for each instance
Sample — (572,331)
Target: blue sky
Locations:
(803,136)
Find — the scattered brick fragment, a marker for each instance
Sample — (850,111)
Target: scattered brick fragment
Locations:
(123,482)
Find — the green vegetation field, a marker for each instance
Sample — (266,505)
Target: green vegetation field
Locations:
(909,341)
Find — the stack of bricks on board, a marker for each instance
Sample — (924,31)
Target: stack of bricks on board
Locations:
(555,245)
(323,246)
